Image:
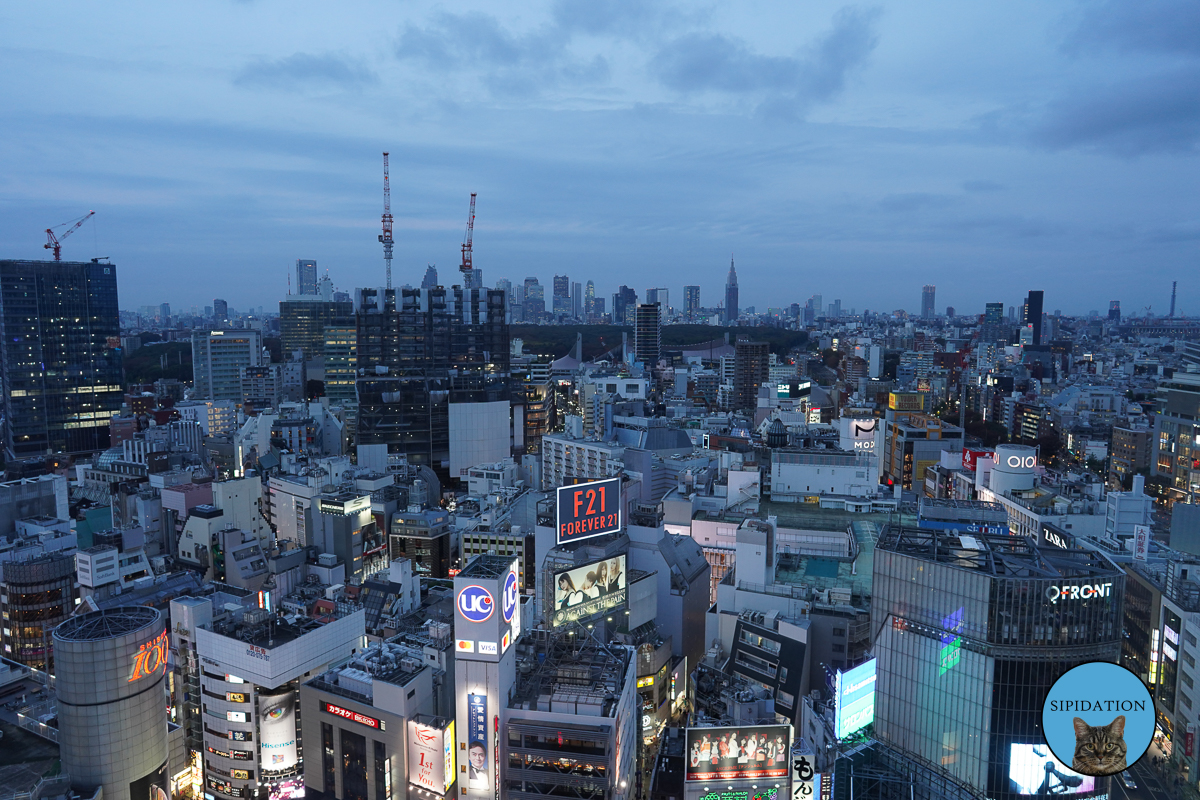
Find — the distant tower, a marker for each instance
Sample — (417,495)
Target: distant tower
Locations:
(431,277)
(691,301)
(927,295)
(1172,314)
(731,295)
(1033,314)
(589,299)
(306,276)
(1114,311)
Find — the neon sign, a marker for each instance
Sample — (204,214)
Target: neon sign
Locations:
(149,657)
(353,716)
(1085,592)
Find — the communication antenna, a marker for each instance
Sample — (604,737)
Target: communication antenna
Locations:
(386,236)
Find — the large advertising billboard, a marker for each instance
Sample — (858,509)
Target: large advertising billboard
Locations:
(431,756)
(756,751)
(854,699)
(589,590)
(588,509)
(1033,770)
(477,741)
(277,730)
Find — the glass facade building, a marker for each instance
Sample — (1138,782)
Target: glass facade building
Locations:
(61,356)
(971,633)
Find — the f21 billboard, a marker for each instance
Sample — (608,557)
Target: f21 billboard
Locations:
(729,753)
(586,510)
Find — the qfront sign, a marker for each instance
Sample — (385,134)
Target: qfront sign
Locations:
(1056,594)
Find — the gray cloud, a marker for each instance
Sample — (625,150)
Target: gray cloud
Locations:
(512,63)
(707,62)
(1159,26)
(634,19)
(980,185)
(301,70)
(1149,115)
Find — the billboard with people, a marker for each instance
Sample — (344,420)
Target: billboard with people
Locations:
(727,753)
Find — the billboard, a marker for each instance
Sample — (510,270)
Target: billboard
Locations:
(477,741)
(588,509)
(431,756)
(728,753)
(1033,770)
(277,730)
(589,590)
(510,601)
(854,699)
(971,457)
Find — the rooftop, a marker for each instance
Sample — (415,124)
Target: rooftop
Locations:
(584,673)
(487,566)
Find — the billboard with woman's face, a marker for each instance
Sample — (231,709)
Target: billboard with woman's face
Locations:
(588,590)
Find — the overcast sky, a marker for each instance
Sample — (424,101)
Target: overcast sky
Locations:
(855,151)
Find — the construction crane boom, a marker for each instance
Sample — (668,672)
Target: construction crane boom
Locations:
(386,236)
(55,243)
(466,266)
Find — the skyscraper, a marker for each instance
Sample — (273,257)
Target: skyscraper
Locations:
(434,375)
(535,300)
(302,324)
(731,296)
(647,334)
(751,368)
(60,357)
(589,299)
(306,277)
(431,277)
(624,302)
(660,296)
(691,301)
(993,328)
(220,310)
(1114,311)
(562,295)
(1033,314)
(577,300)
(927,301)
(341,366)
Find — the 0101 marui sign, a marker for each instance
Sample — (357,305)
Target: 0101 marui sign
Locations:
(588,509)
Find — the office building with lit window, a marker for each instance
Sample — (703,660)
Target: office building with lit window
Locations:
(302,323)
(218,358)
(38,594)
(250,663)
(61,356)
(971,633)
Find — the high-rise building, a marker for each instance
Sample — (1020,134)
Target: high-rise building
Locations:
(306,277)
(647,334)
(1033,314)
(624,306)
(431,277)
(972,633)
(927,301)
(341,366)
(535,300)
(434,375)
(731,296)
(589,299)
(302,324)
(60,357)
(164,314)
(751,369)
(577,300)
(691,301)
(217,361)
(1114,311)
(220,311)
(561,299)
(993,328)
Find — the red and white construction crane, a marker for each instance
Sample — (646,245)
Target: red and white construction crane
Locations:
(386,236)
(55,243)
(465,266)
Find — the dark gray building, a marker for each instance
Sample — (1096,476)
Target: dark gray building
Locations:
(61,355)
(731,296)
(971,632)
(433,365)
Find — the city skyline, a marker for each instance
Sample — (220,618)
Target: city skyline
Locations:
(638,141)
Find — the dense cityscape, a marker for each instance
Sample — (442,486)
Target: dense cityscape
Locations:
(600,401)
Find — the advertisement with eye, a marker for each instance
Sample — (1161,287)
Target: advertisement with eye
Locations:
(277,730)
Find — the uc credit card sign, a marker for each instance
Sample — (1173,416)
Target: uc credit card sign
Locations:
(588,509)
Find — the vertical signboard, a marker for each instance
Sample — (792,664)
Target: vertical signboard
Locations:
(854,699)
(510,603)
(277,730)
(477,741)
(427,755)
(1141,542)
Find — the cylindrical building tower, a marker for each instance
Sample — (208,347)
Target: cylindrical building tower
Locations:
(112,704)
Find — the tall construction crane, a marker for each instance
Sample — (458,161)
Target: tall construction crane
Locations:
(55,243)
(386,236)
(465,266)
